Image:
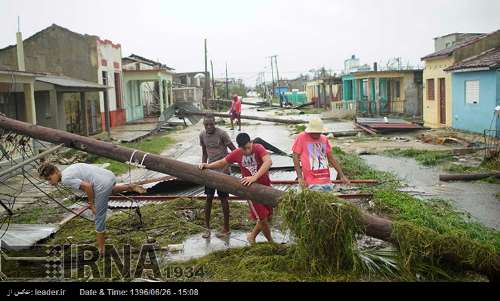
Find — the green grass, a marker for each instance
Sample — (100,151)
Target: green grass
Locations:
(298,128)
(416,221)
(356,168)
(35,215)
(424,157)
(165,222)
(438,215)
(154,144)
(435,214)
(260,263)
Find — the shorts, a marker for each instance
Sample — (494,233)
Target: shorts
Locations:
(322,187)
(235,115)
(101,206)
(211,192)
(259,212)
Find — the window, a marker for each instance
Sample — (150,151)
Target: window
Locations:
(430,89)
(105,78)
(397,88)
(472,92)
(364,84)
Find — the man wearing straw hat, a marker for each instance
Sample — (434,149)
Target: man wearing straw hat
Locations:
(312,158)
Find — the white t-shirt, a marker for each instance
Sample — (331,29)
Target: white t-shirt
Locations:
(99,178)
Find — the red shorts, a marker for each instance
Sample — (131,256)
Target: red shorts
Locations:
(259,211)
(235,115)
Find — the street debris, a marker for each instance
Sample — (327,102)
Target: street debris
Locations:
(385,125)
(440,140)
(468,177)
(183,113)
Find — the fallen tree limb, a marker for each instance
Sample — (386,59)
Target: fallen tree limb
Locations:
(159,198)
(469,177)
(304,105)
(373,226)
(183,113)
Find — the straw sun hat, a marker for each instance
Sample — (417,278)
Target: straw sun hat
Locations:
(316,126)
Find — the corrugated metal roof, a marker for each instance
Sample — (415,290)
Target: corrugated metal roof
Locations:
(68,82)
(20,236)
(380,120)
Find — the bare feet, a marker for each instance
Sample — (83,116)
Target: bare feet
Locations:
(223,234)
(206,235)
(138,189)
(250,239)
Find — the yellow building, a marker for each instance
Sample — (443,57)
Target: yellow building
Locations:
(324,91)
(437,104)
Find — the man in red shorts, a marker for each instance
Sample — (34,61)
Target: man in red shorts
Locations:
(235,111)
(254,163)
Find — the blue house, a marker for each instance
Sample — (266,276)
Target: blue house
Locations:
(476,93)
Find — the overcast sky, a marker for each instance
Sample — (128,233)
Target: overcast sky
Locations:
(305,34)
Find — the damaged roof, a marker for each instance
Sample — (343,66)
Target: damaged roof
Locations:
(21,236)
(140,59)
(68,82)
(450,50)
(53,27)
(489,60)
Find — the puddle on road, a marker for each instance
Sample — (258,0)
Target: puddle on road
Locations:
(196,246)
(477,198)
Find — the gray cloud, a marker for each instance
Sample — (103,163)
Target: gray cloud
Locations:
(305,34)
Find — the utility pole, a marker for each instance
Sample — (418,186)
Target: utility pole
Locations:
(278,78)
(264,83)
(213,80)
(213,86)
(227,86)
(272,76)
(207,76)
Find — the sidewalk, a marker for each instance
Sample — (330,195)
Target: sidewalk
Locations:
(132,132)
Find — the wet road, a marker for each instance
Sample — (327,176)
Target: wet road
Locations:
(476,198)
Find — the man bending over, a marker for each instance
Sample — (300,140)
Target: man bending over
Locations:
(97,183)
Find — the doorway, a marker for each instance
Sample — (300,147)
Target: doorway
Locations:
(442,101)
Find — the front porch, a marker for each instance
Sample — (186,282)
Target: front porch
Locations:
(147,93)
(376,94)
(68,104)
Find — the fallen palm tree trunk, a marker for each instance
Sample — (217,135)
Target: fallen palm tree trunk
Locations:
(374,226)
(468,177)
(159,198)
(183,113)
